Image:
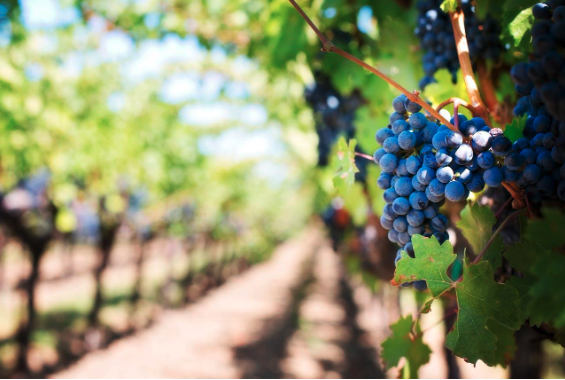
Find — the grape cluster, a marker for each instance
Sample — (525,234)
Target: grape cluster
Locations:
(334,115)
(424,163)
(436,38)
(537,159)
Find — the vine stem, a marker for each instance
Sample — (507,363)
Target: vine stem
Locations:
(366,156)
(328,46)
(516,194)
(458,23)
(495,234)
(508,201)
(490,94)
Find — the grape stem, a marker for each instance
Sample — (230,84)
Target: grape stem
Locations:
(518,195)
(458,23)
(328,46)
(490,94)
(495,234)
(508,201)
(366,156)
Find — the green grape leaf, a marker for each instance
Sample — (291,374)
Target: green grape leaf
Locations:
(449,6)
(505,343)
(345,166)
(547,231)
(480,299)
(520,25)
(514,130)
(476,225)
(367,123)
(430,263)
(522,256)
(547,294)
(404,344)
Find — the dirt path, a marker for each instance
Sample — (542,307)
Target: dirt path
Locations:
(208,339)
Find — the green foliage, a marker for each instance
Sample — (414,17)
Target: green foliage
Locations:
(521,25)
(479,299)
(548,231)
(430,264)
(476,225)
(514,130)
(344,165)
(449,6)
(406,342)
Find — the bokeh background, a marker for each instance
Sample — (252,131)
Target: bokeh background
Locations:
(167,206)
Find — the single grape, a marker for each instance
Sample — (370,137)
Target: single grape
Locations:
(443,158)
(398,103)
(415,218)
(439,223)
(393,236)
(413,163)
(528,156)
(390,195)
(454,191)
(401,206)
(430,211)
(388,163)
(485,160)
(407,140)
(476,184)
(453,139)
(545,161)
(403,238)
(493,177)
(389,213)
(400,224)
(436,187)
(418,200)
(420,285)
(481,141)
(417,120)
(391,145)
(403,186)
(463,154)
(444,174)
(416,230)
(417,185)
(513,161)
(398,127)
(425,175)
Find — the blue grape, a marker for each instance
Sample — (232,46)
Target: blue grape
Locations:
(398,104)
(513,161)
(390,195)
(386,223)
(407,140)
(428,132)
(393,236)
(556,154)
(468,128)
(430,160)
(461,118)
(509,175)
(485,160)
(454,191)
(545,161)
(444,174)
(425,175)
(439,140)
(403,238)
(388,163)
(501,146)
(417,120)
(463,154)
(396,116)
(400,224)
(418,200)
(453,139)
(383,134)
(493,176)
(389,213)
(413,163)
(463,174)
(420,285)
(417,185)
(399,126)
(409,248)
(416,230)
(476,184)
(412,106)
(472,165)
(520,144)
(439,223)
(415,218)
(391,145)
(532,173)
(542,124)
(384,181)
(403,186)
(436,188)
(401,206)
(443,158)
(546,186)
(430,211)
(481,141)
(401,169)
(528,156)
(398,257)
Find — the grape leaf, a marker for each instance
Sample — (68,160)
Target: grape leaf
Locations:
(480,299)
(476,225)
(430,263)
(367,123)
(505,343)
(403,344)
(520,25)
(449,6)
(345,166)
(522,257)
(514,130)
(547,231)
(547,301)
